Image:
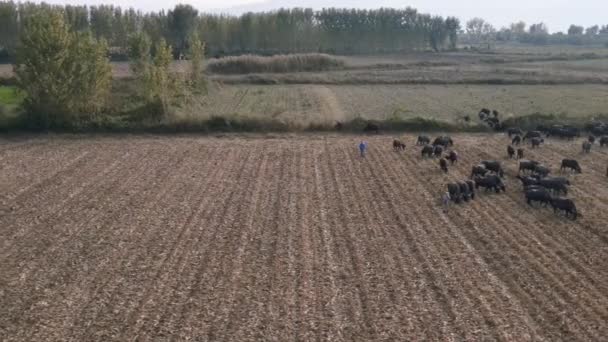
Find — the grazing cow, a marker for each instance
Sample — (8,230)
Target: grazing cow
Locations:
(527,165)
(532,134)
(443,164)
(494,166)
(423,140)
(536,142)
(427,151)
(538,195)
(510,151)
(464,191)
(453,157)
(520,153)
(586,147)
(571,164)
(491,182)
(371,128)
(479,170)
(591,139)
(398,145)
(528,181)
(555,184)
(566,205)
(444,141)
(454,191)
(514,131)
(437,151)
(563,132)
(516,140)
(603,141)
(541,171)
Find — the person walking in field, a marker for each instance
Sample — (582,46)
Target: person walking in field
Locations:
(445,200)
(363,148)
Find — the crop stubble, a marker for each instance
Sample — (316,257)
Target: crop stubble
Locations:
(289,238)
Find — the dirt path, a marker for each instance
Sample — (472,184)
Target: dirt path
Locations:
(331,109)
(291,238)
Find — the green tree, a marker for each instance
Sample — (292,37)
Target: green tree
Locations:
(197,54)
(575,30)
(64,75)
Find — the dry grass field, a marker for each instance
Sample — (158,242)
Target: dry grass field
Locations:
(290,237)
(308,104)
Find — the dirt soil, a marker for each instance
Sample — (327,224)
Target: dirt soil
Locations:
(290,237)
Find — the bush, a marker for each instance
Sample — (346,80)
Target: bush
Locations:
(276,64)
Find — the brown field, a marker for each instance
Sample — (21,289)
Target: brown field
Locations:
(289,237)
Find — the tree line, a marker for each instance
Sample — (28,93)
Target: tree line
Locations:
(343,31)
(482,33)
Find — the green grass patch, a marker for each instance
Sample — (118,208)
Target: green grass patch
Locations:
(10,96)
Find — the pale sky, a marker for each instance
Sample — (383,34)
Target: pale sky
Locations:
(557,14)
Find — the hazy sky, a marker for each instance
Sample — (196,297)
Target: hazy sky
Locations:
(557,14)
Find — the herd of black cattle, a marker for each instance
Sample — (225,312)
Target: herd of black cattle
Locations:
(538,185)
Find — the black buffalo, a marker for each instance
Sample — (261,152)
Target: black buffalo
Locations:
(591,139)
(443,164)
(444,141)
(527,165)
(520,153)
(603,141)
(479,170)
(454,190)
(465,192)
(528,181)
(471,185)
(427,151)
(398,145)
(494,166)
(437,151)
(491,182)
(538,195)
(571,164)
(510,151)
(532,134)
(555,184)
(516,140)
(541,171)
(566,205)
(514,131)
(423,140)
(453,157)
(536,142)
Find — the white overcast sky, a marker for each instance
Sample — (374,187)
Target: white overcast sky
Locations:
(557,14)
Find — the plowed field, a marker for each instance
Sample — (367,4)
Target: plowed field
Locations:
(290,238)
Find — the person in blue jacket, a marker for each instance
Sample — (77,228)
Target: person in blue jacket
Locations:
(363,148)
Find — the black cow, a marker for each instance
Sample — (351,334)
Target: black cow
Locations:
(443,164)
(494,166)
(454,191)
(516,140)
(338,126)
(603,141)
(479,170)
(591,139)
(437,151)
(398,145)
(427,151)
(571,164)
(371,128)
(510,151)
(554,184)
(444,141)
(471,185)
(423,140)
(528,181)
(532,134)
(484,113)
(453,157)
(491,182)
(527,165)
(538,195)
(586,147)
(464,191)
(520,153)
(566,205)
(541,171)
(536,142)
(514,131)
